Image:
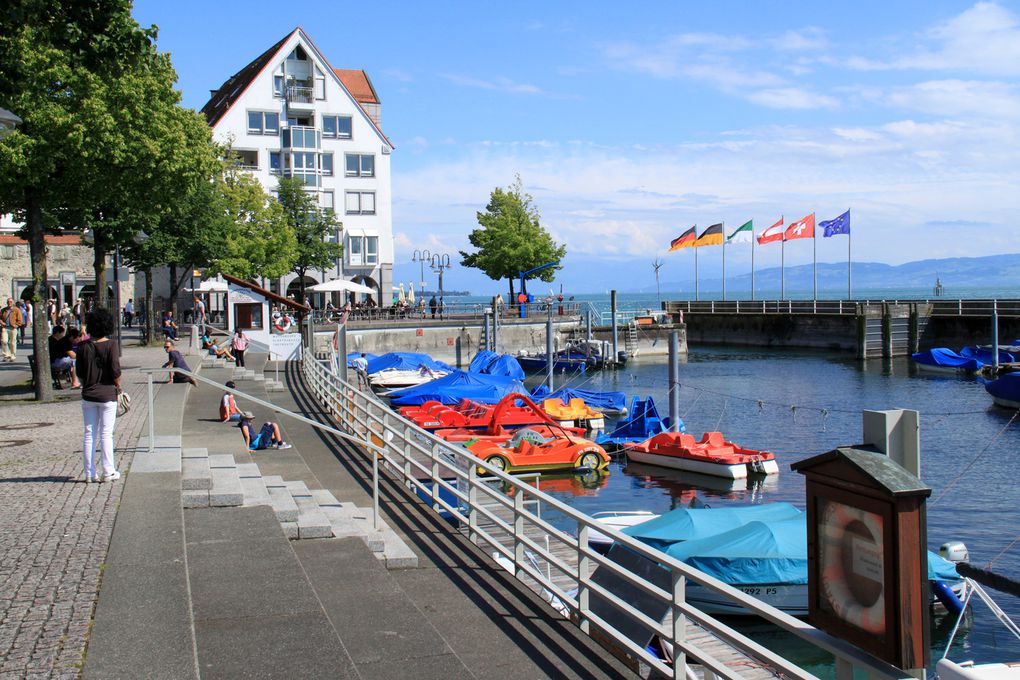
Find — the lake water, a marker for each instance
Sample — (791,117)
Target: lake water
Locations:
(799,404)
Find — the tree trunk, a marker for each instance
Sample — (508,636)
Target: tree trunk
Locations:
(150,308)
(173,291)
(99,266)
(513,299)
(40,296)
(301,291)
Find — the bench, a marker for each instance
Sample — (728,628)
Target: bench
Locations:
(57,376)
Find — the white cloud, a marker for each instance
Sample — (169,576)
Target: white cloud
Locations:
(792,98)
(806,39)
(982,99)
(498,83)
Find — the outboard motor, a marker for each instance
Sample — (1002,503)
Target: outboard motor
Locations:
(954,551)
(621,356)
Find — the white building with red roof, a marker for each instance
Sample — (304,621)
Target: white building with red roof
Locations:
(290,113)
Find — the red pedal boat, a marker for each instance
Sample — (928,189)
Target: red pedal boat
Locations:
(526,452)
(433,415)
(713,455)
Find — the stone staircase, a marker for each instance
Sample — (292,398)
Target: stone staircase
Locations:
(216,480)
(212,361)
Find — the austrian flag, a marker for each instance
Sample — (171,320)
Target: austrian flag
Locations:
(773,233)
(802,228)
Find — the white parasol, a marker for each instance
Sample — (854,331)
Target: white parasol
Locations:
(401,298)
(410,294)
(341,286)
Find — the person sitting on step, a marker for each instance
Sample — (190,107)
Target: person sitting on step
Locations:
(268,436)
(220,351)
(229,413)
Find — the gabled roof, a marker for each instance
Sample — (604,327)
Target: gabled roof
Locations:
(357,83)
(264,293)
(231,90)
(871,464)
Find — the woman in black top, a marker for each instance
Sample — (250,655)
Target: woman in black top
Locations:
(97,364)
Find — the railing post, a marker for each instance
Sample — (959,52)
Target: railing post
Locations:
(375,489)
(518,529)
(472,494)
(844,669)
(152,419)
(679,626)
(583,573)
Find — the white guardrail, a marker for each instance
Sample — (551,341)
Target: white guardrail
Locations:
(936,307)
(427,464)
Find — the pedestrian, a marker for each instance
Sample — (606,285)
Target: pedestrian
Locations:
(200,314)
(79,312)
(63,352)
(129,312)
(268,435)
(442,306)
(239,343)
(26,318)
(360,364)
(10,323)
(66,317)
(229,413)
(432,306)
(176,360)
(97,365)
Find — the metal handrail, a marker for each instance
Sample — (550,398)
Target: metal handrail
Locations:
(933,307)
(396,437)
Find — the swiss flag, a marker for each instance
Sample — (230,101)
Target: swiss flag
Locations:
(802,228)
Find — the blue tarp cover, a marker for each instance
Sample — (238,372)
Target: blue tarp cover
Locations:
(487,362)
(405,361)
(687,524)
(458,385)
(354,355)
(984,355)
(940,356)
(769,552)
(610,401)
(1006,386)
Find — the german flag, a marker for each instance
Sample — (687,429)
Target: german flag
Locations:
(713,236)
(684,240)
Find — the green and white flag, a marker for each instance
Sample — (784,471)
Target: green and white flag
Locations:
(745,234)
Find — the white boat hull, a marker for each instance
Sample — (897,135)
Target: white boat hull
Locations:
(737,471)
(945,370)
(616,520)
(1006,403)
(395,379)
(950,670)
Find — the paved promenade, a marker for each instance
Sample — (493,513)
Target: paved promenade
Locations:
(54,529)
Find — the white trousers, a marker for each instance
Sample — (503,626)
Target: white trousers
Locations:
(100,418)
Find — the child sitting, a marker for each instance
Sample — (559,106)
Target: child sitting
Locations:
(229,413)
(268,436)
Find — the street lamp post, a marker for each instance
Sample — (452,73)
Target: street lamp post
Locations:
(421,257)
(438,263)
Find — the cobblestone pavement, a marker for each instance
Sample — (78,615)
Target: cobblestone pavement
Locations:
(54,528)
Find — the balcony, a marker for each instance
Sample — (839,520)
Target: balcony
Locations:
(299,137)
(300,99)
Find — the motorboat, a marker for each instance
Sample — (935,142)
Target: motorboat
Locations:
(642,423)
(576,412)
(985,355)
(488,362)
(392,378)
(943,360)
(713,455)
(688,524)
(1005,390)
(532,453)
(615,519)
(459,385)
(562,363)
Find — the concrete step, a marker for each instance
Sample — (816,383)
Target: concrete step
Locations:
(195,499)
(255,491)
(196,474)
(273,386)
(311,521)
(195,453)
(226,490)
(283,503)
(222,460)
(395,553)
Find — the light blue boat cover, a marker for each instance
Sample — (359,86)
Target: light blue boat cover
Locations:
(354,355)
(984,355)
(688,524)
(487,362)
(458,385)
(1006,386)
(769,553)
(405,361)
(940,356)
(610,401)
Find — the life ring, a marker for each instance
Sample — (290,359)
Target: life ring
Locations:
(852,565)
(283,325)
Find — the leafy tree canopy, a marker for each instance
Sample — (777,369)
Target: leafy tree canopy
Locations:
(511,238)
(312,226)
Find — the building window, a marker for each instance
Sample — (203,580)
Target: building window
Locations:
(248,316)
(360,203)
(320,85)
(303,166)
(274,162)
(327,201)
(360,165)
(247,158)
(336,127)
(371,250)
(278,86)
(263,123)
(7,252)
(362,250)
(327,164)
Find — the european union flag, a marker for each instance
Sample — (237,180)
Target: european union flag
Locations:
(840,225)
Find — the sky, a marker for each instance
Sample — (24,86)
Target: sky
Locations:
(630,123)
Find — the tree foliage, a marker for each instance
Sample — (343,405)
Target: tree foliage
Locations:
(511,238)
(312,226)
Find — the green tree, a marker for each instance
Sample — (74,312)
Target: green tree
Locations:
(257,241)
(312,227)
(511,238)
(54,58)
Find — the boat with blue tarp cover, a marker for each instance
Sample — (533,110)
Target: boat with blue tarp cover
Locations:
(687,524)
(1005,390)
(610,403)
(488,362)
(459,385)
(944,360)
(404,361)
(983,353)
(642,423)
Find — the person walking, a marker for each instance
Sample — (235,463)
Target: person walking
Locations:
(97,364)
(239,343)
(26,318)
(10,322)
(129,312)
(200,315)
(432,306)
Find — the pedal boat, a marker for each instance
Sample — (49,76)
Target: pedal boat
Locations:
(713,455)
(575,412)
(530,453)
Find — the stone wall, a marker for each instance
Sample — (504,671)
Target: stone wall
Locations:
(819,331)
(16,266)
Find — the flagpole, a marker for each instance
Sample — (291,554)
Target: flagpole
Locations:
(782,266)
(697,288)
(849,262)
(753,239)
(814,268)
(724,262)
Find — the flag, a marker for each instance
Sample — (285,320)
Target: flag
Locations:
(840,225)
(684,240)
(744,234)
(773,233)
(712,236)
(802,228)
